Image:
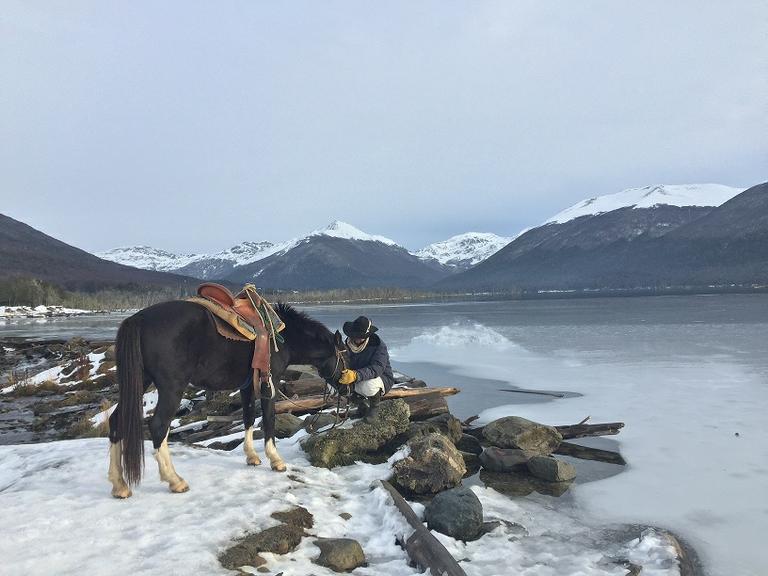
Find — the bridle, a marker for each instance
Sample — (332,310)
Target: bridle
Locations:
(332,383)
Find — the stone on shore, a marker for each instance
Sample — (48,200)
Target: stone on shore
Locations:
(340,554)
(315,422)
(457,513)
(343,446)
(433,465)
(286,425)
(516,432)
(551,469)
(468,443)
(277,540)
(504,459)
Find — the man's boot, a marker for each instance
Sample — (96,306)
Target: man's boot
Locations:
(363,406)
(374,402)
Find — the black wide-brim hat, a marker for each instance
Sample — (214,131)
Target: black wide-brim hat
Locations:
(360,328)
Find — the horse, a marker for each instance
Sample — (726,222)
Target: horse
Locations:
(174,344)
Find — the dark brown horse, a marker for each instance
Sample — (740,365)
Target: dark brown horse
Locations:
(175,344)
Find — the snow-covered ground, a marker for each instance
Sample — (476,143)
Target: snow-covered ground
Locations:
(40,311)
(695,428)
(648,196)
(59,518)
(56,374)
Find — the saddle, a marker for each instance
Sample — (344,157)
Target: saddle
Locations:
(245,317)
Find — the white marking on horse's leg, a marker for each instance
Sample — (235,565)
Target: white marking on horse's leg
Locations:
(275,461)
(167,472)
(120,487)
(251,458)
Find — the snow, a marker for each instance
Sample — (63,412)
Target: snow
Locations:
(470,248)
(649,196)
(149,258)
(688,470)
(339,229)
(55,497)
(40,311)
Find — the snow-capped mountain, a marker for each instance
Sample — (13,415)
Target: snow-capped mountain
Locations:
(148,258)
(648,197)
(636,238)
(339,229)
(464,250)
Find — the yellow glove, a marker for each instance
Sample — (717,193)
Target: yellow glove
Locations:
(347,377)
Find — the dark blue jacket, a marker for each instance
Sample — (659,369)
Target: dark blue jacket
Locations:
(373,362)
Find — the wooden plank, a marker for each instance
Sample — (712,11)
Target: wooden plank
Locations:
(318,402)
(422,547)
(582,430)
(587,453)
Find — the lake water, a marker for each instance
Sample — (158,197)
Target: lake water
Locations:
(688,376)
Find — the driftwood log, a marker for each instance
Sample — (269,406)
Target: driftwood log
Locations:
(567,432)
(423,401)
(422,547)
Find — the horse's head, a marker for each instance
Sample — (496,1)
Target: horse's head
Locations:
(334,364)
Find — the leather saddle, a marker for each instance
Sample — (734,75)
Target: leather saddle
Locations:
(246,317)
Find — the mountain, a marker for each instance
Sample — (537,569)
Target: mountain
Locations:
(339,256)
(26,252)
(624,240)
(148,258)
(465,250)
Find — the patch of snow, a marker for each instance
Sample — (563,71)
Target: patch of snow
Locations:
(228,499)
(41,311)
(649,196)
(469,248)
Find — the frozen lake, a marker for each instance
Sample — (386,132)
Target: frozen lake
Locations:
(688,376)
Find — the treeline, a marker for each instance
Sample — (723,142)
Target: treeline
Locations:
(34,292)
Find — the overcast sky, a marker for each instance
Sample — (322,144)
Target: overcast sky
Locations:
(192,126)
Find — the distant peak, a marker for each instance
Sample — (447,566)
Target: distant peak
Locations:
(339,229)
(649,196)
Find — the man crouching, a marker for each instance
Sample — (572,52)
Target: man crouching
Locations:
(369,368)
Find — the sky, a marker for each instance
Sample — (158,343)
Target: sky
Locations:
(192,126)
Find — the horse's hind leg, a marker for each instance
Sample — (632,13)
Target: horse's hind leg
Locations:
(268,425)
(120,488)
(168,402)
(249,417)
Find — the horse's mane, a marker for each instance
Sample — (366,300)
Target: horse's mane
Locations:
(301,324)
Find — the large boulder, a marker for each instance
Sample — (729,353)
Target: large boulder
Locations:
(343,446)
(504,459)
(434,464)
(277,539)
(468,443)
(551,469)
(457,513)
(340,554)
(516,432)
(286,425)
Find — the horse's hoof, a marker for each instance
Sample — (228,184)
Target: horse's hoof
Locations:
(180,487)
(121,493)
(278,466)
(253,461)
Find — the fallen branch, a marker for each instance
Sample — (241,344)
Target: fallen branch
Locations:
(582,430)
(422,547)
(311,403)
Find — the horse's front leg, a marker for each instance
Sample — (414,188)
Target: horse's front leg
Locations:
(249,417)
(268,426)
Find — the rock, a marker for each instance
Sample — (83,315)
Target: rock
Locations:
(286,425)
(240,555)
(340,554)
(471,462)
(469,444)
(445,424)
(504,459)
(517,484)
(109,353)
(433,465)
(345,515)
(279,539)
(551,469)
(457,513)
(516,432)
(297,516)
(343,446)
(315,422)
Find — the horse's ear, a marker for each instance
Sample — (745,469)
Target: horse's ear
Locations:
(338,340)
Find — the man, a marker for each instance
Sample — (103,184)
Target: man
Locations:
(369,369)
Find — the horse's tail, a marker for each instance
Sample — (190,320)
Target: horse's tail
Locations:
(130,376)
